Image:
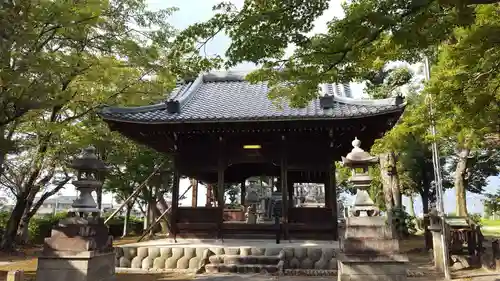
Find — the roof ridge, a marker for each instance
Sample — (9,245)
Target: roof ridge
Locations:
(367,102)
(187,94)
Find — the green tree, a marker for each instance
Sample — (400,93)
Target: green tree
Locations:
(492,204)
(457,35)
(59,62)
(130,166)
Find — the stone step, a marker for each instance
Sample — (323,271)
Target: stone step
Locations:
(243,260)
(250,236)
(242,268)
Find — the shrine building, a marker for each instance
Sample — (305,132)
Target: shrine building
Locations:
(221,129)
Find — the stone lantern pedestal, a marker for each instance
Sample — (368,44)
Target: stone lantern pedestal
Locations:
(370,251)
(79,248)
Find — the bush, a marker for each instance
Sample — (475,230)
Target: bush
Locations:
(403,223)
(135,226)
(40,227)
(476,218)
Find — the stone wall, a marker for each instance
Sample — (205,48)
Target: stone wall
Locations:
(194,259)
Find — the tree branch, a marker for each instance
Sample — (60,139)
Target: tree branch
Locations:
(479,2)
(46,195)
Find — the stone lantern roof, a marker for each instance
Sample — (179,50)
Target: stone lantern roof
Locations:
(88,161)
(358,156)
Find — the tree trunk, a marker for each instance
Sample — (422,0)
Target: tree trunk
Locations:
(461,182)
(8,240)
(396,192)
(412,206)
(3,149)
(127,218)
(162,206)
(23,228)
(386,182)
(32,208)
(426,220)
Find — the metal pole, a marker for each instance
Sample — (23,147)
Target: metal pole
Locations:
(438,179)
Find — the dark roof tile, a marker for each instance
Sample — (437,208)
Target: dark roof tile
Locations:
(229,97)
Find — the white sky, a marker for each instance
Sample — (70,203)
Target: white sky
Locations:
(191,11)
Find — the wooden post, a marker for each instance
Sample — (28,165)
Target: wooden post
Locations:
(209,202)
(333,199)
(290,193)
(175,200)
(284,187)
(194,194)
(220,186)
(243,192)
(331,186)
(327,190)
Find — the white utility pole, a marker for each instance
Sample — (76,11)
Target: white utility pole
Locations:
(438,178)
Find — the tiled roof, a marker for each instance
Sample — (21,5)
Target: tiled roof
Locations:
(228,97)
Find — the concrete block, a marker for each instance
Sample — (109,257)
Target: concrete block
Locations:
(347,277)
(368,231)
(365,221)
(96,267)
(371,245)
(372,269)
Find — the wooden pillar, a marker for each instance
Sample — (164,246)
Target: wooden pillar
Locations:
(284,186)
(220,174)
(331,197)
(290,193)
(243,192)
(194,195)
(209,201)
(328,202)
(220,186)
(332,186)
(175,200)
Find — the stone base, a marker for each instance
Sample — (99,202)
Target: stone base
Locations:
(372,268)
(227,256)
(83,266)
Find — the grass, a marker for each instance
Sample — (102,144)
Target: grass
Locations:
(490,228)
(487,222)
(26,261)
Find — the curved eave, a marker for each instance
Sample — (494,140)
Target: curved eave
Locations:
(397,109)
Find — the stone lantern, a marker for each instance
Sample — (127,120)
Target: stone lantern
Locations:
(87,167)
(359,161)
(79,247)
(370,252)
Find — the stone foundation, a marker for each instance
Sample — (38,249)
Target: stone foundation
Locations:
(373,268)
(371,252)
(83,266)
(244,259)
